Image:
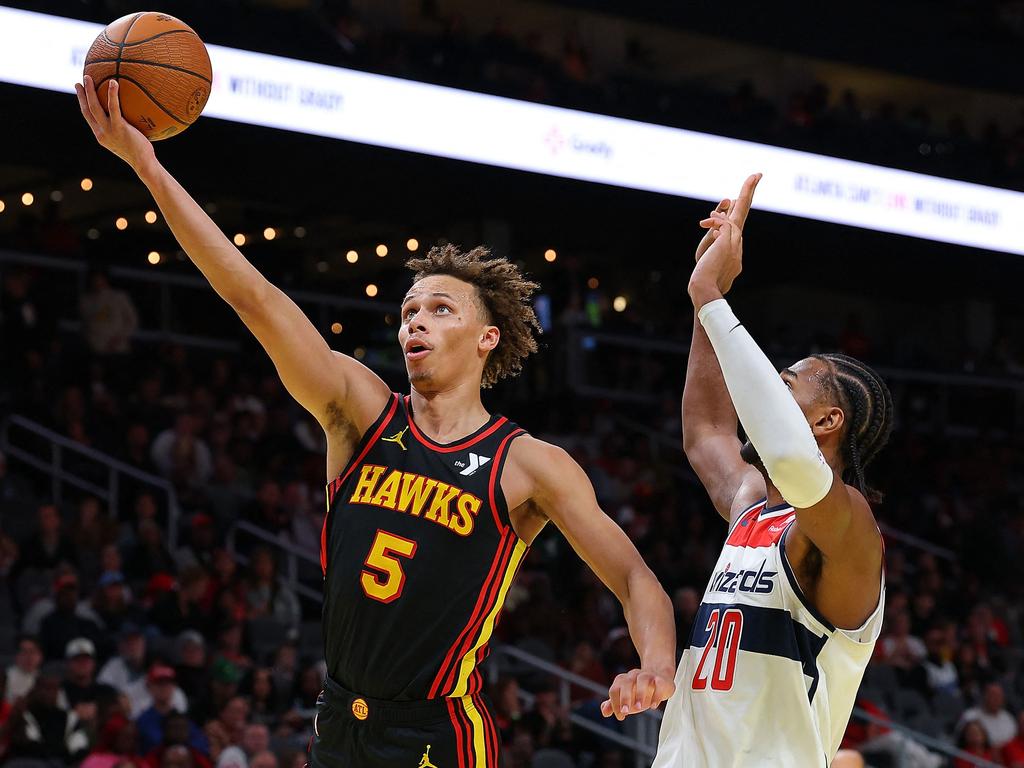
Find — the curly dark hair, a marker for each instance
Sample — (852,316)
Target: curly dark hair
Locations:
(503,294)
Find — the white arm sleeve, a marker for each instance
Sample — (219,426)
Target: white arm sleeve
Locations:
(770,416)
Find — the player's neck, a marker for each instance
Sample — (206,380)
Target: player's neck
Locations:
(448,414)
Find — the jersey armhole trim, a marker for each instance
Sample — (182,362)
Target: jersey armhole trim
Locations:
(371,436)
(795,585)
(744,514)
(495,495)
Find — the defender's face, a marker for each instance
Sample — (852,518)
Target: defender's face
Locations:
(442,332)
(804,381)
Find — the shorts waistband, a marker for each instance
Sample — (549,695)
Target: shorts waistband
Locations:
(365,708)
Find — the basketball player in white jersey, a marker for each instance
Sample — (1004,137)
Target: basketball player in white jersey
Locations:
(794,606)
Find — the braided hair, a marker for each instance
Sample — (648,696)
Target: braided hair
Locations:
(867,403)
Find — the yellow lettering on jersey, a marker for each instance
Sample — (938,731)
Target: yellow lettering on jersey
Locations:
(467,506)
(415,491)
(388,491)
(441,502)
(369,474)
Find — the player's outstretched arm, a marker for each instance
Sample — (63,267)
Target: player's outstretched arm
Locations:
(709,418)
(565,496)
(334,388)
(836,518)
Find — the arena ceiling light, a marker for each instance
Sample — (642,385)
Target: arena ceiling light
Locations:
(275,92)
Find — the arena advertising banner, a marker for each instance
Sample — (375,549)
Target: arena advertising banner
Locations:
(48,52)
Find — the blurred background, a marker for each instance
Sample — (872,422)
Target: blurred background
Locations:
(161,496)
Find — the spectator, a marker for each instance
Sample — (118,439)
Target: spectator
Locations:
(81,692)
(234,717)
(183,744)
(67,621)
(112,603)
(42,607)
(974,741)
(109,318)
(92,530)
(268,510)
(999,725)
(149,556)
(177,756)
(192,672)
(118,741)
(1013,750)
(940,672)
(201,545)
(264,596)
(548,722)
(899,648)
(585,663)
(255,739)
(285,673)
(181,455)
(48,547)
(264,701)
(224,679)
(41,729)
(154,722)
(22,674)
(264,759)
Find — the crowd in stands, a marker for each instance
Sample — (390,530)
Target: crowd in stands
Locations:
(121,650)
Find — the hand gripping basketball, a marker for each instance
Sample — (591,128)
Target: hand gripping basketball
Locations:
(111,130)
(636,691)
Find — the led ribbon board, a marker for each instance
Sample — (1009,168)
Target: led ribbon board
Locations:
(48,52)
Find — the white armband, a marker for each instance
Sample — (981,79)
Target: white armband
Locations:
(770,416)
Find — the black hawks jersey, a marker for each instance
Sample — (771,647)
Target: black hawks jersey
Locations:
(418,555)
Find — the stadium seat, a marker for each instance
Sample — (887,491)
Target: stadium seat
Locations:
(8,638)
(311,640)
(930,725)
(881,677)
(947,708)
(909,704)
(266,635)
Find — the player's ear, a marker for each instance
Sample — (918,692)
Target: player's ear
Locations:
(829,420)
(489,337)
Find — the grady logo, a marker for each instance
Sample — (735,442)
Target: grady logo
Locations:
(757,582)
(557,141)
(475,462)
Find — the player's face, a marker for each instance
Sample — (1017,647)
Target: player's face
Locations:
(804,381)
(442,334)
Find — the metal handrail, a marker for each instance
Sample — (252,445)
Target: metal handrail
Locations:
(924,739)
(649,749)
(916,541)
(647,724)
(59,444)
(291,578)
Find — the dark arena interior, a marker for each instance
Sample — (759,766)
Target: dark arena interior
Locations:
(162,495)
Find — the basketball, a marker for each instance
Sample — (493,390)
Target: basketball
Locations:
(163,69)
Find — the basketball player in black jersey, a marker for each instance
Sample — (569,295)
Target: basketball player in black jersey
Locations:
(433,502)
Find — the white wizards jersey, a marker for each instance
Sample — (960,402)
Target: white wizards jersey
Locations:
(766,680)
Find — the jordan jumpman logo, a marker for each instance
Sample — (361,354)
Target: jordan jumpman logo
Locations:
(397,438)
(425,760)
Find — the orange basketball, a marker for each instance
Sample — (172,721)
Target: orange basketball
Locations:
(162,68)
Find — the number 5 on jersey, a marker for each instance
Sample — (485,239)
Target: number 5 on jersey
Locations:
(386,579)
(725,628)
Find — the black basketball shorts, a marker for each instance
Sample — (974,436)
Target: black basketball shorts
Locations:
(355,731)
